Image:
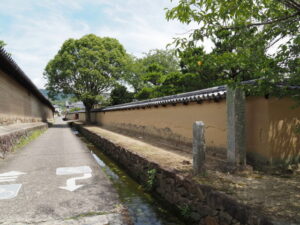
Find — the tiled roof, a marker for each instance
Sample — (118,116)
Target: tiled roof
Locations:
(215,93)
(9,66)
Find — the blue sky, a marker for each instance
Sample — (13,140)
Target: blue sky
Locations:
(34,30)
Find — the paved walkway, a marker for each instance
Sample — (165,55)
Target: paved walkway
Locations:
(40,184)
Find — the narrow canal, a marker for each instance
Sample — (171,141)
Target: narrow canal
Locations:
(142,208)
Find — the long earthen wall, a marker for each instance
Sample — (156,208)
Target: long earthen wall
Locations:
(18,104)
(272,126)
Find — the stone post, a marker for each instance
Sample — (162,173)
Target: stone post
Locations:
(198,147)
(236,126)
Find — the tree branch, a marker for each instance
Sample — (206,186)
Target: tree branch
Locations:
(275,41)
(264,23)
(291,4)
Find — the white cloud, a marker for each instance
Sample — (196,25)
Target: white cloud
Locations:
(38,28)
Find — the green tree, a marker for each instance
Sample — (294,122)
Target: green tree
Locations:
(178,82)
(145,93)
(152,71)
(132,76)
(120,95)
(173,83)
(232,60)
(165,58)
(86,68)
(2,44)
(243,33)
(164,73)
(199,68)
(148,70)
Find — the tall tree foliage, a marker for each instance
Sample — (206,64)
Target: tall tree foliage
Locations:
(200,66)
(133,75)
(161,72)
(157,65)
(233,59)
(120,95)
(86,68)
(148,75)
(148,70)
(243,33)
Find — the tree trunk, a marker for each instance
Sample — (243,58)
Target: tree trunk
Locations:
(87,114)
(88,107)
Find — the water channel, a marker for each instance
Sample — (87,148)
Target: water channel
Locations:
(142,208)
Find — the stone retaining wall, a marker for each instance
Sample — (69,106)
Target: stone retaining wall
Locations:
(200,203)
(9,139)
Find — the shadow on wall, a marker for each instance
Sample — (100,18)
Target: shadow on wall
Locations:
(165,138)
(271,134)
(284,139)
(161,137)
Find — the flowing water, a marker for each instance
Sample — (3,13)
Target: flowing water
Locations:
(142,208)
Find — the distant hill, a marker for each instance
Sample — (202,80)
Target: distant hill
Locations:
(59,97)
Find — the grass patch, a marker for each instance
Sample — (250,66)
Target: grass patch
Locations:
(185,211)
(151,179)
(28,138)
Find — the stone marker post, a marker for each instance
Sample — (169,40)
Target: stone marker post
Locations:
(236,126)
(198,147)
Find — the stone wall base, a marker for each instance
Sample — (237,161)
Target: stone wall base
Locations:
(9,139)
(199,204)
(14,119)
